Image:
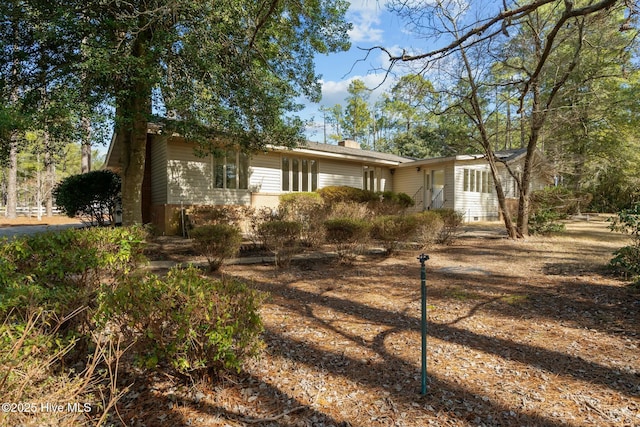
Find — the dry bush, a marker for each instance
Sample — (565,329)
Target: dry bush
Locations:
(429,228)
(348,235)
(309,210)
(283,239)
(199,216)
(36,387)
(353,210)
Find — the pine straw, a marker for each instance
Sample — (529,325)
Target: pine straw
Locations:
(520,333)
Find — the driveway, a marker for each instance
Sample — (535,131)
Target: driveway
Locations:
(23,230)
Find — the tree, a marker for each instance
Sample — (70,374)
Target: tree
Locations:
(226,71)
(357,116)
(540,41)
(230,73)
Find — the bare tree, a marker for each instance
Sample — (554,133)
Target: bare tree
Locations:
(539,42)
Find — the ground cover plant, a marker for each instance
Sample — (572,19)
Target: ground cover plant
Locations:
(520,333)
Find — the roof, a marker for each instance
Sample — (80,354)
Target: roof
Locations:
(311,148)
(503,156)
(330,150)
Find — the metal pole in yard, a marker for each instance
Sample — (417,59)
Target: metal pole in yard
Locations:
(423,290)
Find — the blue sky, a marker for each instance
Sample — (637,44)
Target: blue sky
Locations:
(373,25)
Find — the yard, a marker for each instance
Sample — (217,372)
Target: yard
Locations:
(520,333)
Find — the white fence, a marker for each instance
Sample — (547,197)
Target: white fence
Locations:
(31,211)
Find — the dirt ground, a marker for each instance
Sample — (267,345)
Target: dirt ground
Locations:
(520,333)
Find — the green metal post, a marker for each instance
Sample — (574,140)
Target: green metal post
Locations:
(423,290)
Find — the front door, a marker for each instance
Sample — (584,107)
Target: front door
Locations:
(437,191)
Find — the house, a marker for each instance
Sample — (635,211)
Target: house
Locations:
(464,183)
(176,178)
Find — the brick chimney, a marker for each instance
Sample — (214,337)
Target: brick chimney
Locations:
(349,143)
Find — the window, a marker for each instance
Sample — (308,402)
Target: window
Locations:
(231,171)
(370,179)
(299,174)
(476,181)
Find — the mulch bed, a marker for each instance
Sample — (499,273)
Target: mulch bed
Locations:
(520,333)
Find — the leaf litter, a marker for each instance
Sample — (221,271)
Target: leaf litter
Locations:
(520,333)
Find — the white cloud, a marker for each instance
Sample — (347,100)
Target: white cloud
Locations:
(365,17)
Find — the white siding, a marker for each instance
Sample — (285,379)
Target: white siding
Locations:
(158,170)
(190,180)
(410,181)
(265,174)
(339,173)
(476,206)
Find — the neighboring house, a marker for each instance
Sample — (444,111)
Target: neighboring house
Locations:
(175,178)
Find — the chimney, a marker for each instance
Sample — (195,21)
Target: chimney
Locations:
(349,143)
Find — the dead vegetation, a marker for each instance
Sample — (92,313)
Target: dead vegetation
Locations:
(520,333)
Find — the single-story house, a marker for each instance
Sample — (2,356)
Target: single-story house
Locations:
(176,178)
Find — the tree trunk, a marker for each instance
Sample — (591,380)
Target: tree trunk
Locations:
(12,178)
(85,162)
(50,180)
(132,116)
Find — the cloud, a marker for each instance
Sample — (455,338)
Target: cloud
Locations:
(365,17)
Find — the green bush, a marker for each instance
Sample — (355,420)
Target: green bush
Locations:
(348,235)
(191,323)
(92,196)
(451,227)
(545,221)
(627,258)
(49,284)
(61,271)
(307,209)
(393,229)
(282,238)
(217,242)
(551,205)
(429,226)
(342,193)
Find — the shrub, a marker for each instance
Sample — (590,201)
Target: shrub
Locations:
(627,258)
(393,229)
(352,210)
(61,271)
(560,200)
(342,193)
(217,242)
(544,221)
(348,235)
(92,196)
(429,226)
(452,221)
(31,352)
(198,216)
(307,209)
(259,217)
(48,287)
(191,323)
(553,204)
(390,203)
(282,238)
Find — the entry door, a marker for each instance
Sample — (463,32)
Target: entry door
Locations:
(437,192)
(426,200)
